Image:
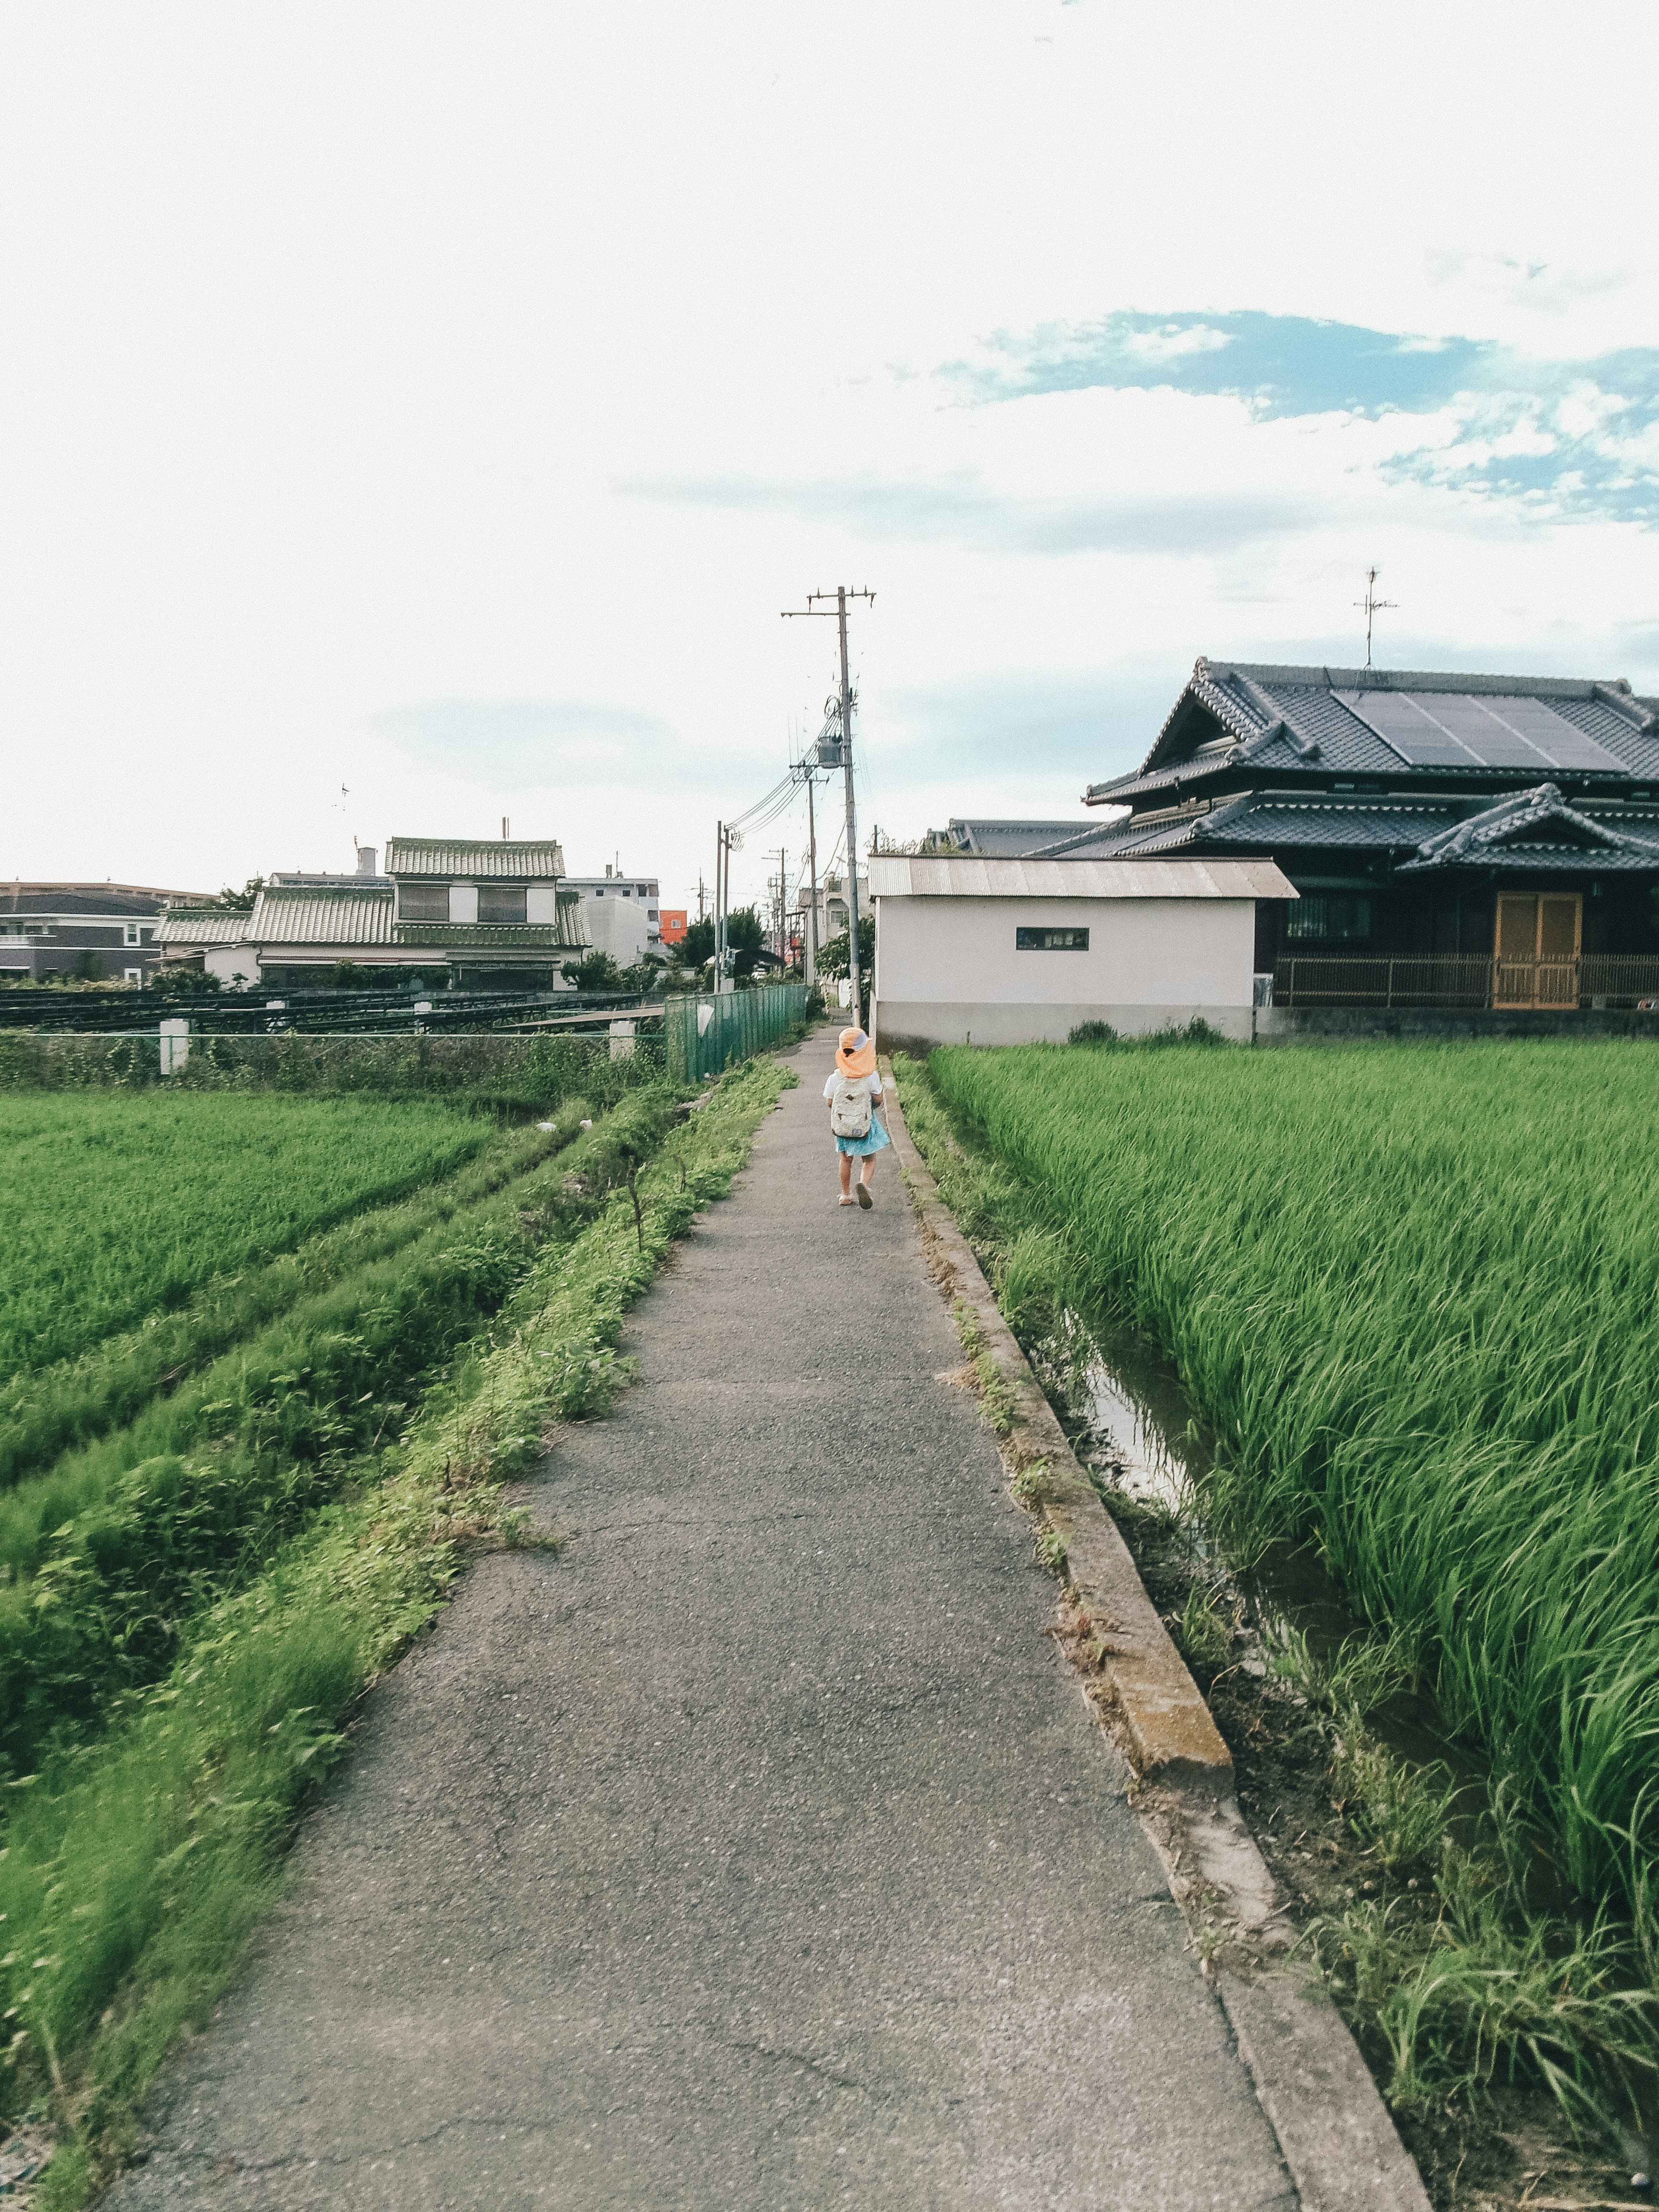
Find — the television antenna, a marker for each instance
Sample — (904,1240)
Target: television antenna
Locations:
(1372,605)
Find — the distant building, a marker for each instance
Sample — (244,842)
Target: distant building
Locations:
(832,906)
(489,914)
(671,925)
(621,914)
(106,932)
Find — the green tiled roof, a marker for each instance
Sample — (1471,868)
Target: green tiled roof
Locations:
(460,860)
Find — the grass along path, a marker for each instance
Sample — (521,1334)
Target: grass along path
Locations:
(136,1867)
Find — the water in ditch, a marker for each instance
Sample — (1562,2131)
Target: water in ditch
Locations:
(1132,1425)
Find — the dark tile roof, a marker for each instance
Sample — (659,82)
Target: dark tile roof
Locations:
(1512,835)
(1534,828)
(90,906)
(1289,718)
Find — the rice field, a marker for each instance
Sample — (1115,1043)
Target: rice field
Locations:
(114,1207)
(1414,1289)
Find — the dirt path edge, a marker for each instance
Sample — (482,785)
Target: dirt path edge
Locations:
(1338,2140)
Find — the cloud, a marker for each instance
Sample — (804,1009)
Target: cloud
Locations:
(963,508)
(1564,440)
(530,744)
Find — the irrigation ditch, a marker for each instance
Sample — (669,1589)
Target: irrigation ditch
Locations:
(1510,2026)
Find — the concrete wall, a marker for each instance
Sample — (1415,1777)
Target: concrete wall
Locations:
(948,972)
(618,927)
(914,1025)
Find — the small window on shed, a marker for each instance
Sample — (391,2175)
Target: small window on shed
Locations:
(500,903)
(1051,940)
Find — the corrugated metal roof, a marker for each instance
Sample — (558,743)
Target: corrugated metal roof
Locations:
(966,876)
(534,860)
(218,928)
(322,917)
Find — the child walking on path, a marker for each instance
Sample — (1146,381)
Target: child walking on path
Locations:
(853,1092)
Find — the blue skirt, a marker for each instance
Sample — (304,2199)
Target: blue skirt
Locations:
(861,1147)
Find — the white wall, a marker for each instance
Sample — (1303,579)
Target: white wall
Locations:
(1151,952)
(464,902)
(618,927)
(541,903)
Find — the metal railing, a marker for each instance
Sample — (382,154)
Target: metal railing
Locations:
(1468,981)
(704,1035)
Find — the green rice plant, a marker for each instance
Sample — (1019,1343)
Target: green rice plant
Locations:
(112,1552)
(79,1398)
(1410,1289)
(112,1206)
(137,1865)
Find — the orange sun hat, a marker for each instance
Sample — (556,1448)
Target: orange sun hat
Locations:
(856,1055)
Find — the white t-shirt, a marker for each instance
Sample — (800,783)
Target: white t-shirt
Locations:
(872,1082)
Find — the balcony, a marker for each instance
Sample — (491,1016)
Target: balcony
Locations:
(1611,979)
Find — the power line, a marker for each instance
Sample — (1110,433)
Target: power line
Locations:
(841,595)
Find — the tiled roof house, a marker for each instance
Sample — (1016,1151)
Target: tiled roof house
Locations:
(1508,819)
(473,914)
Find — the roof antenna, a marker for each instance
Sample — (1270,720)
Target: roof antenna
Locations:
(1372,605)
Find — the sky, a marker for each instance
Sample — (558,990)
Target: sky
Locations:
(414,416)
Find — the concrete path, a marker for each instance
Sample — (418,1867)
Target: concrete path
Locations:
(756,1855)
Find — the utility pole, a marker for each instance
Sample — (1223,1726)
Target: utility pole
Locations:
(811,970)
(1372,605)
(720,918)
(699,894)
(783,893)
(726,840)
(841,596)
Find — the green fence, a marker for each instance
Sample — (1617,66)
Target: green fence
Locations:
(705,1035)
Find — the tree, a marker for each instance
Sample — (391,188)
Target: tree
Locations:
(697,948)
(745,937)
(230,902)
(832,958)
(594,971)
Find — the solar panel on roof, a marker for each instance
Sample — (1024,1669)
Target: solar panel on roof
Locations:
(1401,724)
(1461,729)
(1560,742)
(1495,743)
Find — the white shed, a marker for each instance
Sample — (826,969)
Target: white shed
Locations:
(1014,952)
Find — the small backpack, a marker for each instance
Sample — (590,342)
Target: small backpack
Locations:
(849,1109)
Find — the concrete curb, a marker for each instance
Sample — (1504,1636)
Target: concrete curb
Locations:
(1170,1734)
(1339,2142)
